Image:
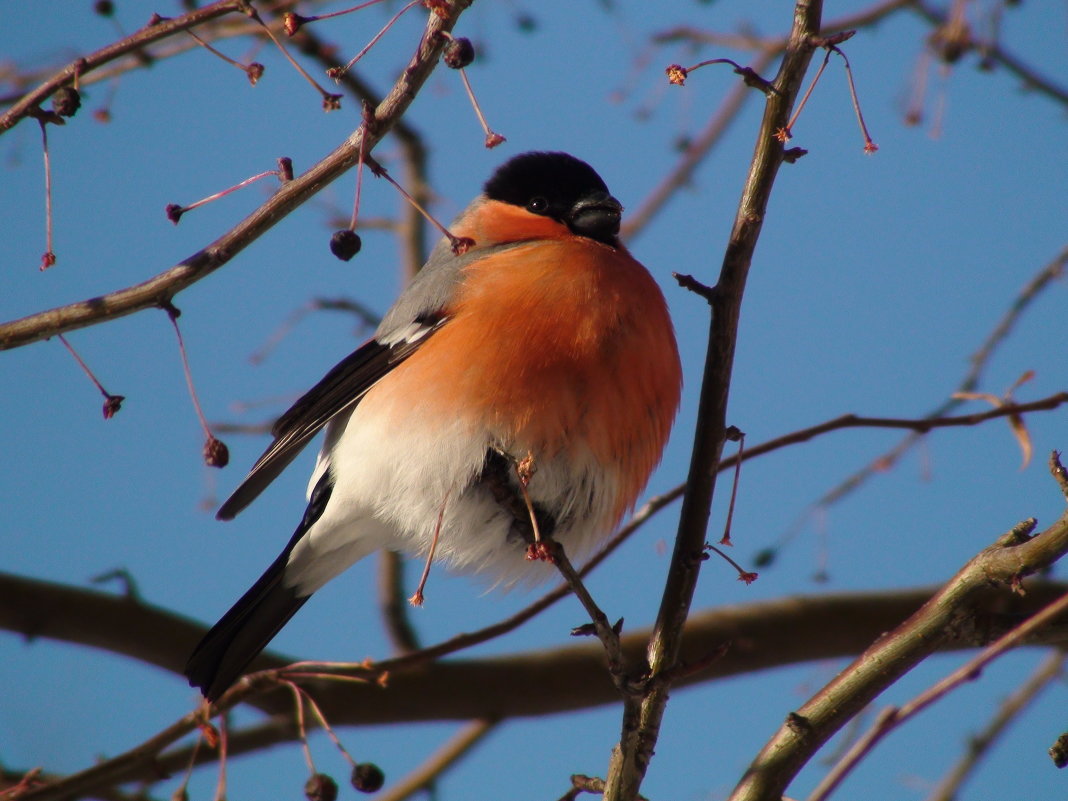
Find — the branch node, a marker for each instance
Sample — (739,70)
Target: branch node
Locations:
(172,311)
(832,40)
(693,285)
(798,724)
(1018,534)
(1059,472)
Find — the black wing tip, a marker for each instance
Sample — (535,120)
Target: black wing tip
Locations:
(225,653)
(207,683)
(204,669)
(227,511)
(245,494)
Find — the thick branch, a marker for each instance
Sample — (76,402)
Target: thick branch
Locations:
(761,635)
(758,637)
(1011,557)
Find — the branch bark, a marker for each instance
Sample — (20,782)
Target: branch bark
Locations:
(1013,556)
(161,289)
(759,636)
(642,715)
(132,44)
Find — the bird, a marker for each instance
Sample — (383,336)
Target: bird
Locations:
(519,389)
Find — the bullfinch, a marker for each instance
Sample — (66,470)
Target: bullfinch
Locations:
(525,385)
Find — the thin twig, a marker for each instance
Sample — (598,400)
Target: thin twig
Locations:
(392,604)
(893,717)
(48,258)
(919,425)
(768,49)
(608,636)
(331,102)
(112,403)
(134,43)
(1050,669)
(163,287)
(869,145)
(992,52)
(302,731)
(440,761)
(337,72)
(1014,555)
(979,360)
(682,173)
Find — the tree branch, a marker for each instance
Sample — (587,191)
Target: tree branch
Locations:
(153,32)
(767,50)
(424,776)
(993,52)
(759,636)
(1013,556)
(893,717)
(979,745)
(631,757)
(162,288)
(979,360)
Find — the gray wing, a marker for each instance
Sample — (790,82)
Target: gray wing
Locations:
(339,390)
(420,311)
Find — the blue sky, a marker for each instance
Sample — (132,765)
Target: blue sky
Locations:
(875,278)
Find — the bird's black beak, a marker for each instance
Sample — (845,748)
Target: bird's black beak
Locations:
(596,216)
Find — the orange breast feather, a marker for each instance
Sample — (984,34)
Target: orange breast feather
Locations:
(557,347)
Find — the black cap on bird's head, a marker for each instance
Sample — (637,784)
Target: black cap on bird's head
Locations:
(561,187)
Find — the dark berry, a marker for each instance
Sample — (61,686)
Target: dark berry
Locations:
(216,454)
(320,787)
(458,53)
(66,101)
(367,777)
(345,244)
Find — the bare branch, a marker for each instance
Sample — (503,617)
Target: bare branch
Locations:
(979,360)
(162,288)
(760,636)
(893,717)
(393,603)
(1014,555)
(768,50)
(994,53)
(440,761)
(153,32)
(979,745)
(631,757)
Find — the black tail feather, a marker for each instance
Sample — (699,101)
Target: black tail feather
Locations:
(224,653)
(232,643)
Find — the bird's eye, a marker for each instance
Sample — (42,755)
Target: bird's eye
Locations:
(538,205)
